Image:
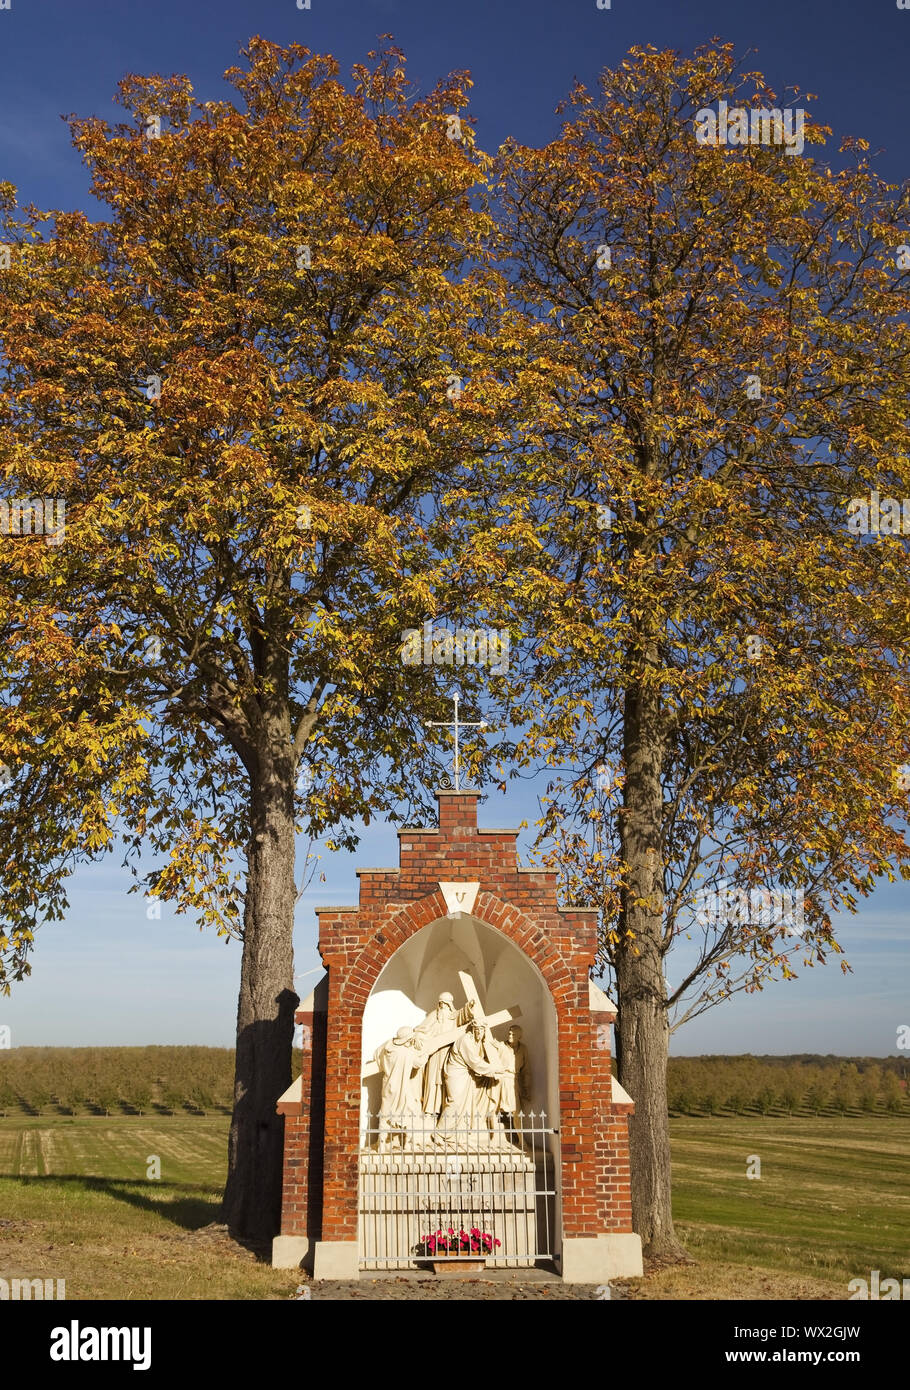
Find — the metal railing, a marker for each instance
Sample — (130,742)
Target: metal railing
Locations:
(473,1189)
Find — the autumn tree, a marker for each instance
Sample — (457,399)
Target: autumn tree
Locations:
(716,653)
(257,385)
(792,1088)
(893,1093)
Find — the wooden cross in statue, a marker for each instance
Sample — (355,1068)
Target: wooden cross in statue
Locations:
(472,997)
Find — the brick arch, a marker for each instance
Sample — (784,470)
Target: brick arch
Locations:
(518,928)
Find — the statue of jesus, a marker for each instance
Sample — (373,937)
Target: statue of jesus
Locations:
(472,1069)
(440,1020)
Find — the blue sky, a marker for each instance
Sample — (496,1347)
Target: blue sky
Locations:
(108,975)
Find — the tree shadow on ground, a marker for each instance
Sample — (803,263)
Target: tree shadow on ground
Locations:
(181,1203)
(187,1208)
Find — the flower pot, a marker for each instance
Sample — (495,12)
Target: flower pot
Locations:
(460,1266)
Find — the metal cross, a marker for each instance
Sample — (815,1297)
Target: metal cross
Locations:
(433,724)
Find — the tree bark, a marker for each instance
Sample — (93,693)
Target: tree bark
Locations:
(642,1026)
(265,1011)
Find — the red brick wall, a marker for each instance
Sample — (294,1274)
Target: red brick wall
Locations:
(356,945)
(301,1197)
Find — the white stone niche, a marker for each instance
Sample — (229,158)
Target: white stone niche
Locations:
(407,989)
(428,964)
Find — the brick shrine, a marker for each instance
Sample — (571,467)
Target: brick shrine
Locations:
(458,901)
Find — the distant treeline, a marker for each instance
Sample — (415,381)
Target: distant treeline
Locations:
(117,1080)
(171,1080)
(787,1085)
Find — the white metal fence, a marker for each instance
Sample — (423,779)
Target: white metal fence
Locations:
(482,1190)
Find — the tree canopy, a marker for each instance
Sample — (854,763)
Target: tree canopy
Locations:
(717,660)
(327,370)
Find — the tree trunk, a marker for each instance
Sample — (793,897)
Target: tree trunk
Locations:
(265,1011)
(642,1026)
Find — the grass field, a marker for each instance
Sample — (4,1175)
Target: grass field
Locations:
(832,1203)
(77,1204)
(833,1200)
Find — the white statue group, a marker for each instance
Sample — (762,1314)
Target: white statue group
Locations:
(449,1075)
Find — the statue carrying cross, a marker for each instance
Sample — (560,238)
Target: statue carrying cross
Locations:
(478,1074)
(430,1042)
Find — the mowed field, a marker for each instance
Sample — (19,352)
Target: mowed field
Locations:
(832,1202)
(76,1202)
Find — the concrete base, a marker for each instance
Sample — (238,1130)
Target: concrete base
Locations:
(290,1252)
(595,1259)
(336,1259)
